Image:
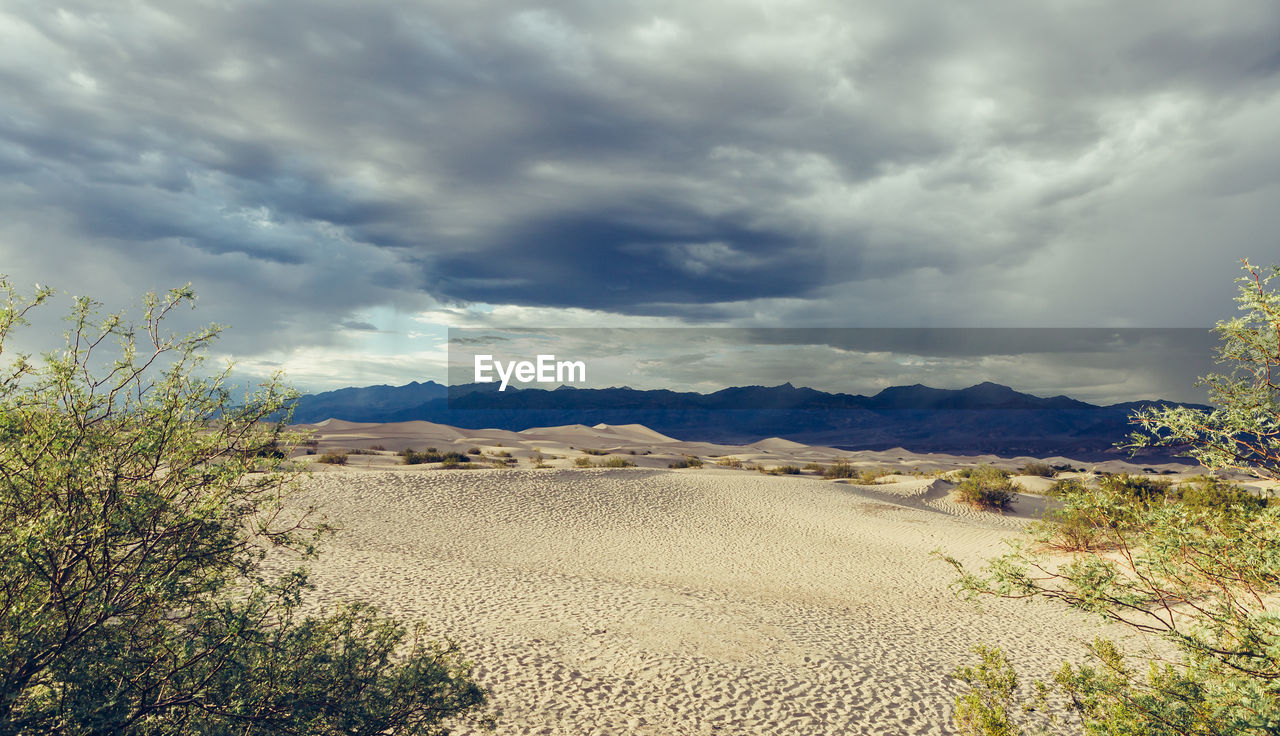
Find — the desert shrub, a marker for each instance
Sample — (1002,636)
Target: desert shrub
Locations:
(591,451)
(333,458)
(783,470)
(988,707)
(1199,569)
(1044,470)
(1207,492)
(132,532)
(1064,487)
(869,476)
(474,451)
(538,460)
(501,453)
(986,471)
(1136,487)
(431,455)
(616,462)
(688,461)
(818,468)
(378,448)
(310,451)
(729,462)
(360,451)
(582,462)
(840,469)
(987,488)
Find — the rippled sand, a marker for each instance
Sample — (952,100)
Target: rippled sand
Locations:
(643,601)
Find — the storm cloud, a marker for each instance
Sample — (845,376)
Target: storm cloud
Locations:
(313,167)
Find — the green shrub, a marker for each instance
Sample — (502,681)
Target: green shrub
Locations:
(1044,470)
(1064,487)
(431,455)
(333,458)
(729,462)
(987,488)
(818,468)
(1136,487)
(782,470)
(840,469)
(132,538)
(1206,492)
(616,462)
(688,461)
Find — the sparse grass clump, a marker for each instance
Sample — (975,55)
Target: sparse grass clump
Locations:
(582,462)
(730,462)
(591,451)
(616,462)
(987,488)
(818,468)
(333,458)
(688,461)
(361,451)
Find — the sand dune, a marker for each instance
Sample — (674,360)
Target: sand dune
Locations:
(668,602)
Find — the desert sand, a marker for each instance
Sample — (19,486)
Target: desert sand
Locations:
(700,601)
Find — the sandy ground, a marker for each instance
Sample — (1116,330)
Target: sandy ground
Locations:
(698,601)
(638,601)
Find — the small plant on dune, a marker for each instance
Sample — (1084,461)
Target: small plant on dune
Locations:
(474,451)
(333,458)
(840,469)
(361,451)
(591,451)
(501,453)
(616,462)
(1043,470)
(818,468)
(688,461)
(730,462)
(582,462)
(987,488)
(538,460)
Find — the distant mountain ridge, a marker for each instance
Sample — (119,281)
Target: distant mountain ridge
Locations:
(984,418)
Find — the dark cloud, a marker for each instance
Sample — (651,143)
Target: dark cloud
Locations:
(826,163)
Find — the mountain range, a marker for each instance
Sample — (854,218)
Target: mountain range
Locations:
(984,418)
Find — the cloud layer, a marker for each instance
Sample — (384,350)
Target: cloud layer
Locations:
(312,165)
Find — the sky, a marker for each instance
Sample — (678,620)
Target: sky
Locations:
(342,182)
